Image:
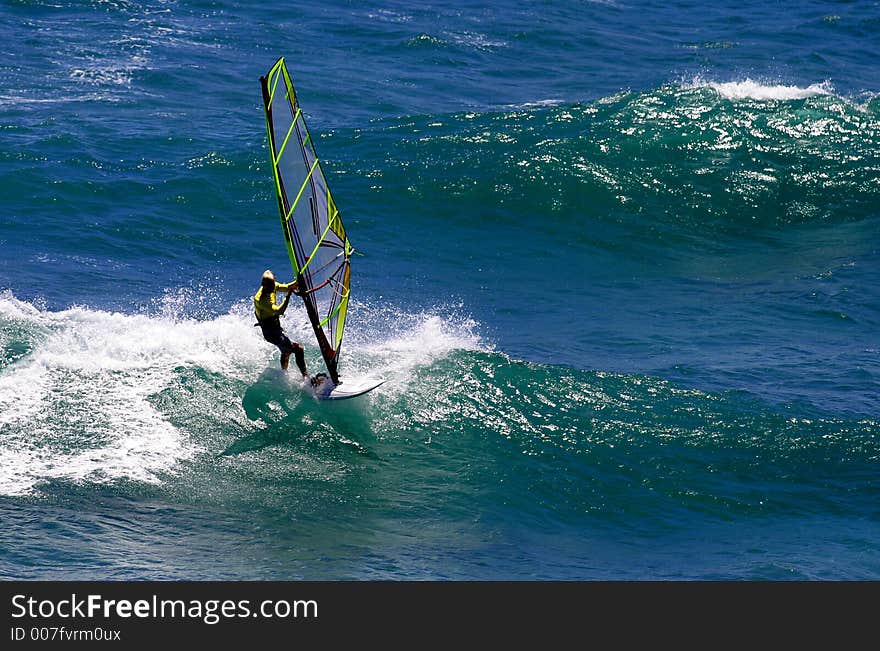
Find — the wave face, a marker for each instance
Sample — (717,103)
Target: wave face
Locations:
(682,161)
(617,261)
(181,425)
(96,397)
(721,235)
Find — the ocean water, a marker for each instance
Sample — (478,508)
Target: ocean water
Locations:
(618,262)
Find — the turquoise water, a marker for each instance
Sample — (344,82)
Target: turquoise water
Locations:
(618,262)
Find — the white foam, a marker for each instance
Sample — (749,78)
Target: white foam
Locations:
(80,406)
(386,15)
(474,40)
(386,343)
(104,75)
(541,103)
(749,89)
(21,100)
(13,309)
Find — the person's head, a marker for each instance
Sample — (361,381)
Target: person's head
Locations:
(268,281)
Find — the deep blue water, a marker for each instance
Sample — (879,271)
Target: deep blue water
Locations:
(617,260)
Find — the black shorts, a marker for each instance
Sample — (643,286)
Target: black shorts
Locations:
(273,333)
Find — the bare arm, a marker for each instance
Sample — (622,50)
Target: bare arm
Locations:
(281,287)
(285,287)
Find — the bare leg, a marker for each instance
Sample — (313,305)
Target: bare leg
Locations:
(285,360)
(300,359)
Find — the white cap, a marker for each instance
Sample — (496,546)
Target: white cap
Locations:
(268,275)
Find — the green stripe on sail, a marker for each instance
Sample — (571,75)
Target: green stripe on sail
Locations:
(275,83)
(287,137)
(342,301)
(302,189)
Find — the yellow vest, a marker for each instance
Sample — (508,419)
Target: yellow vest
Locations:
(265,304)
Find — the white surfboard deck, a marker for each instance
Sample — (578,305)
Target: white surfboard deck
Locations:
(349,388)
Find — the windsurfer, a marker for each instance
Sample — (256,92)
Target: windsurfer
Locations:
(269,312)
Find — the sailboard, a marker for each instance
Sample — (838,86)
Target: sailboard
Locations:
(317,244)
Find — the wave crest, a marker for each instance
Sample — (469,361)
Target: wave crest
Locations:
(756,90)
(96,396)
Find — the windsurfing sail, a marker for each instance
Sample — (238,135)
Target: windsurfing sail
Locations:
(317,245)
